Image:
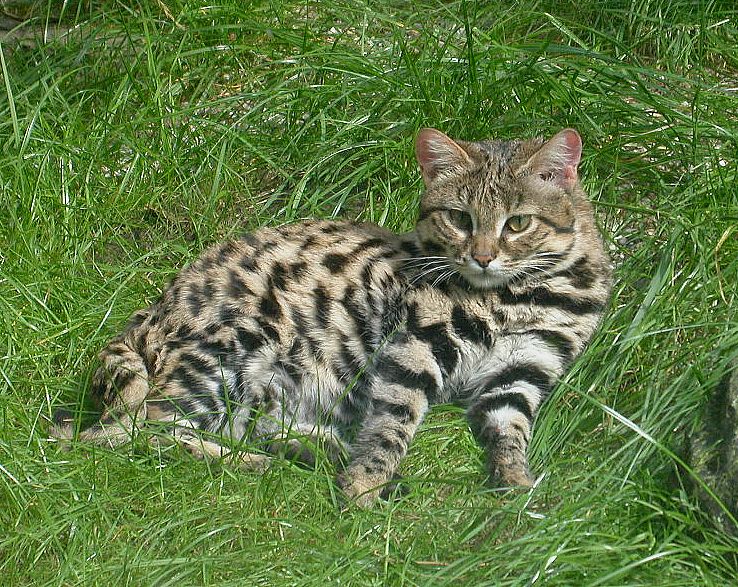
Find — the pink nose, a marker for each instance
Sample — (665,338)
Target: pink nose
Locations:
(482,259)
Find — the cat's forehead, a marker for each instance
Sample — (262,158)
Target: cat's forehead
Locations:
(510,154)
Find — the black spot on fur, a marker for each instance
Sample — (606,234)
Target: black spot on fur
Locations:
(410,248)
(375,465)
(309,242)
(391,445)
(528,373)
(580,274)
(371,243)
(290,369)
(490,403)
(295,348)
(469,327)
(249,341)
(137,319)
(443,348)
(564,346)
(214,328)
(248,264)
(357,312)
(303,331)
(122,379)
(268,329)
(269,307)
(197,363)
(183,331)
(250,239)
(400,412)
(394,311)
(432,247)
(351,361)
(336,262)
(298,270)
(186,378)
(195,301)
(322,306)
(217,349)
(237,287)
(227,250)
(228,314)
(394,373)
(542,296)
(559,229)
(332,228)
(209,288)
(279,276)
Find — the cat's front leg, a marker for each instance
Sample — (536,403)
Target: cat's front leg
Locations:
(505,403)
(401,381)
(504,432)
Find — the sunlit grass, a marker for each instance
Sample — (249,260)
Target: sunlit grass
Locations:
(149,134)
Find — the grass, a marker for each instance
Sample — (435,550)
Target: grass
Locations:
(157,128)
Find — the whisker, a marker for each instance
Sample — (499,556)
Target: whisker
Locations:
(438,279)
(427,272)
(429,258)
(425,264)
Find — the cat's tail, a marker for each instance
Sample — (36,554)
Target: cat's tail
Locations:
(120,385)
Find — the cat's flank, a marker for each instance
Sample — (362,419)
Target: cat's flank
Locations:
(341,335)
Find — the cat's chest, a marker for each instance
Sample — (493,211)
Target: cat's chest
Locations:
(468,321)
(457,330)
(465,334)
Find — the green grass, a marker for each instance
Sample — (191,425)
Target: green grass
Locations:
(149,134)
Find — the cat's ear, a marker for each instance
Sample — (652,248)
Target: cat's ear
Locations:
(558,159)
(437,154)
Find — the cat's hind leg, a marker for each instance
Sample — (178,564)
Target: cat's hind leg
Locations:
(295,432)
(120,386)
(209,450)
(168,425)
(303,442)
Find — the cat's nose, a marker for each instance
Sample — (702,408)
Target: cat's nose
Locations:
(482,259)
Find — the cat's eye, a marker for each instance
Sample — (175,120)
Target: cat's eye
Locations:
(461,220)
(518,223)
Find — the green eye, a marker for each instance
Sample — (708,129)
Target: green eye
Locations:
(461,220)
(518,223)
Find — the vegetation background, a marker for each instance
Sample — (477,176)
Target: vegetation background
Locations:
(134,134)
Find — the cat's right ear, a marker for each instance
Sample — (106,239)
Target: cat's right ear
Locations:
(438,154)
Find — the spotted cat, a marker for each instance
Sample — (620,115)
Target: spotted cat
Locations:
(341,335)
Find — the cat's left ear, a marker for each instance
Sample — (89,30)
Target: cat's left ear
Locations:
(438,154)
(558,159)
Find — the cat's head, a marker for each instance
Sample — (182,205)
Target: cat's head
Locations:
(496,212)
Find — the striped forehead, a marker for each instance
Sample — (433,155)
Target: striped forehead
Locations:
(500,152)
(501,158)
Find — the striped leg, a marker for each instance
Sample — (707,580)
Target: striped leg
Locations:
(503,407)
(404,377)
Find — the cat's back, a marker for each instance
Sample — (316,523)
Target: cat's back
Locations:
(316,282)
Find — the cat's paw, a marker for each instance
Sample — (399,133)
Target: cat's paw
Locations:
(361,489)
(510,477)
(394,489)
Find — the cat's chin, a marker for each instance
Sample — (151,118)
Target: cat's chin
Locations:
(486,279)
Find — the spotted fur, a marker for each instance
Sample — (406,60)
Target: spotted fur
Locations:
(341,335)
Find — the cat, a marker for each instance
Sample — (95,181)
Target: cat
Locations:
(340,335)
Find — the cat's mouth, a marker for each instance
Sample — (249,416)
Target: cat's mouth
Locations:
(493,275)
